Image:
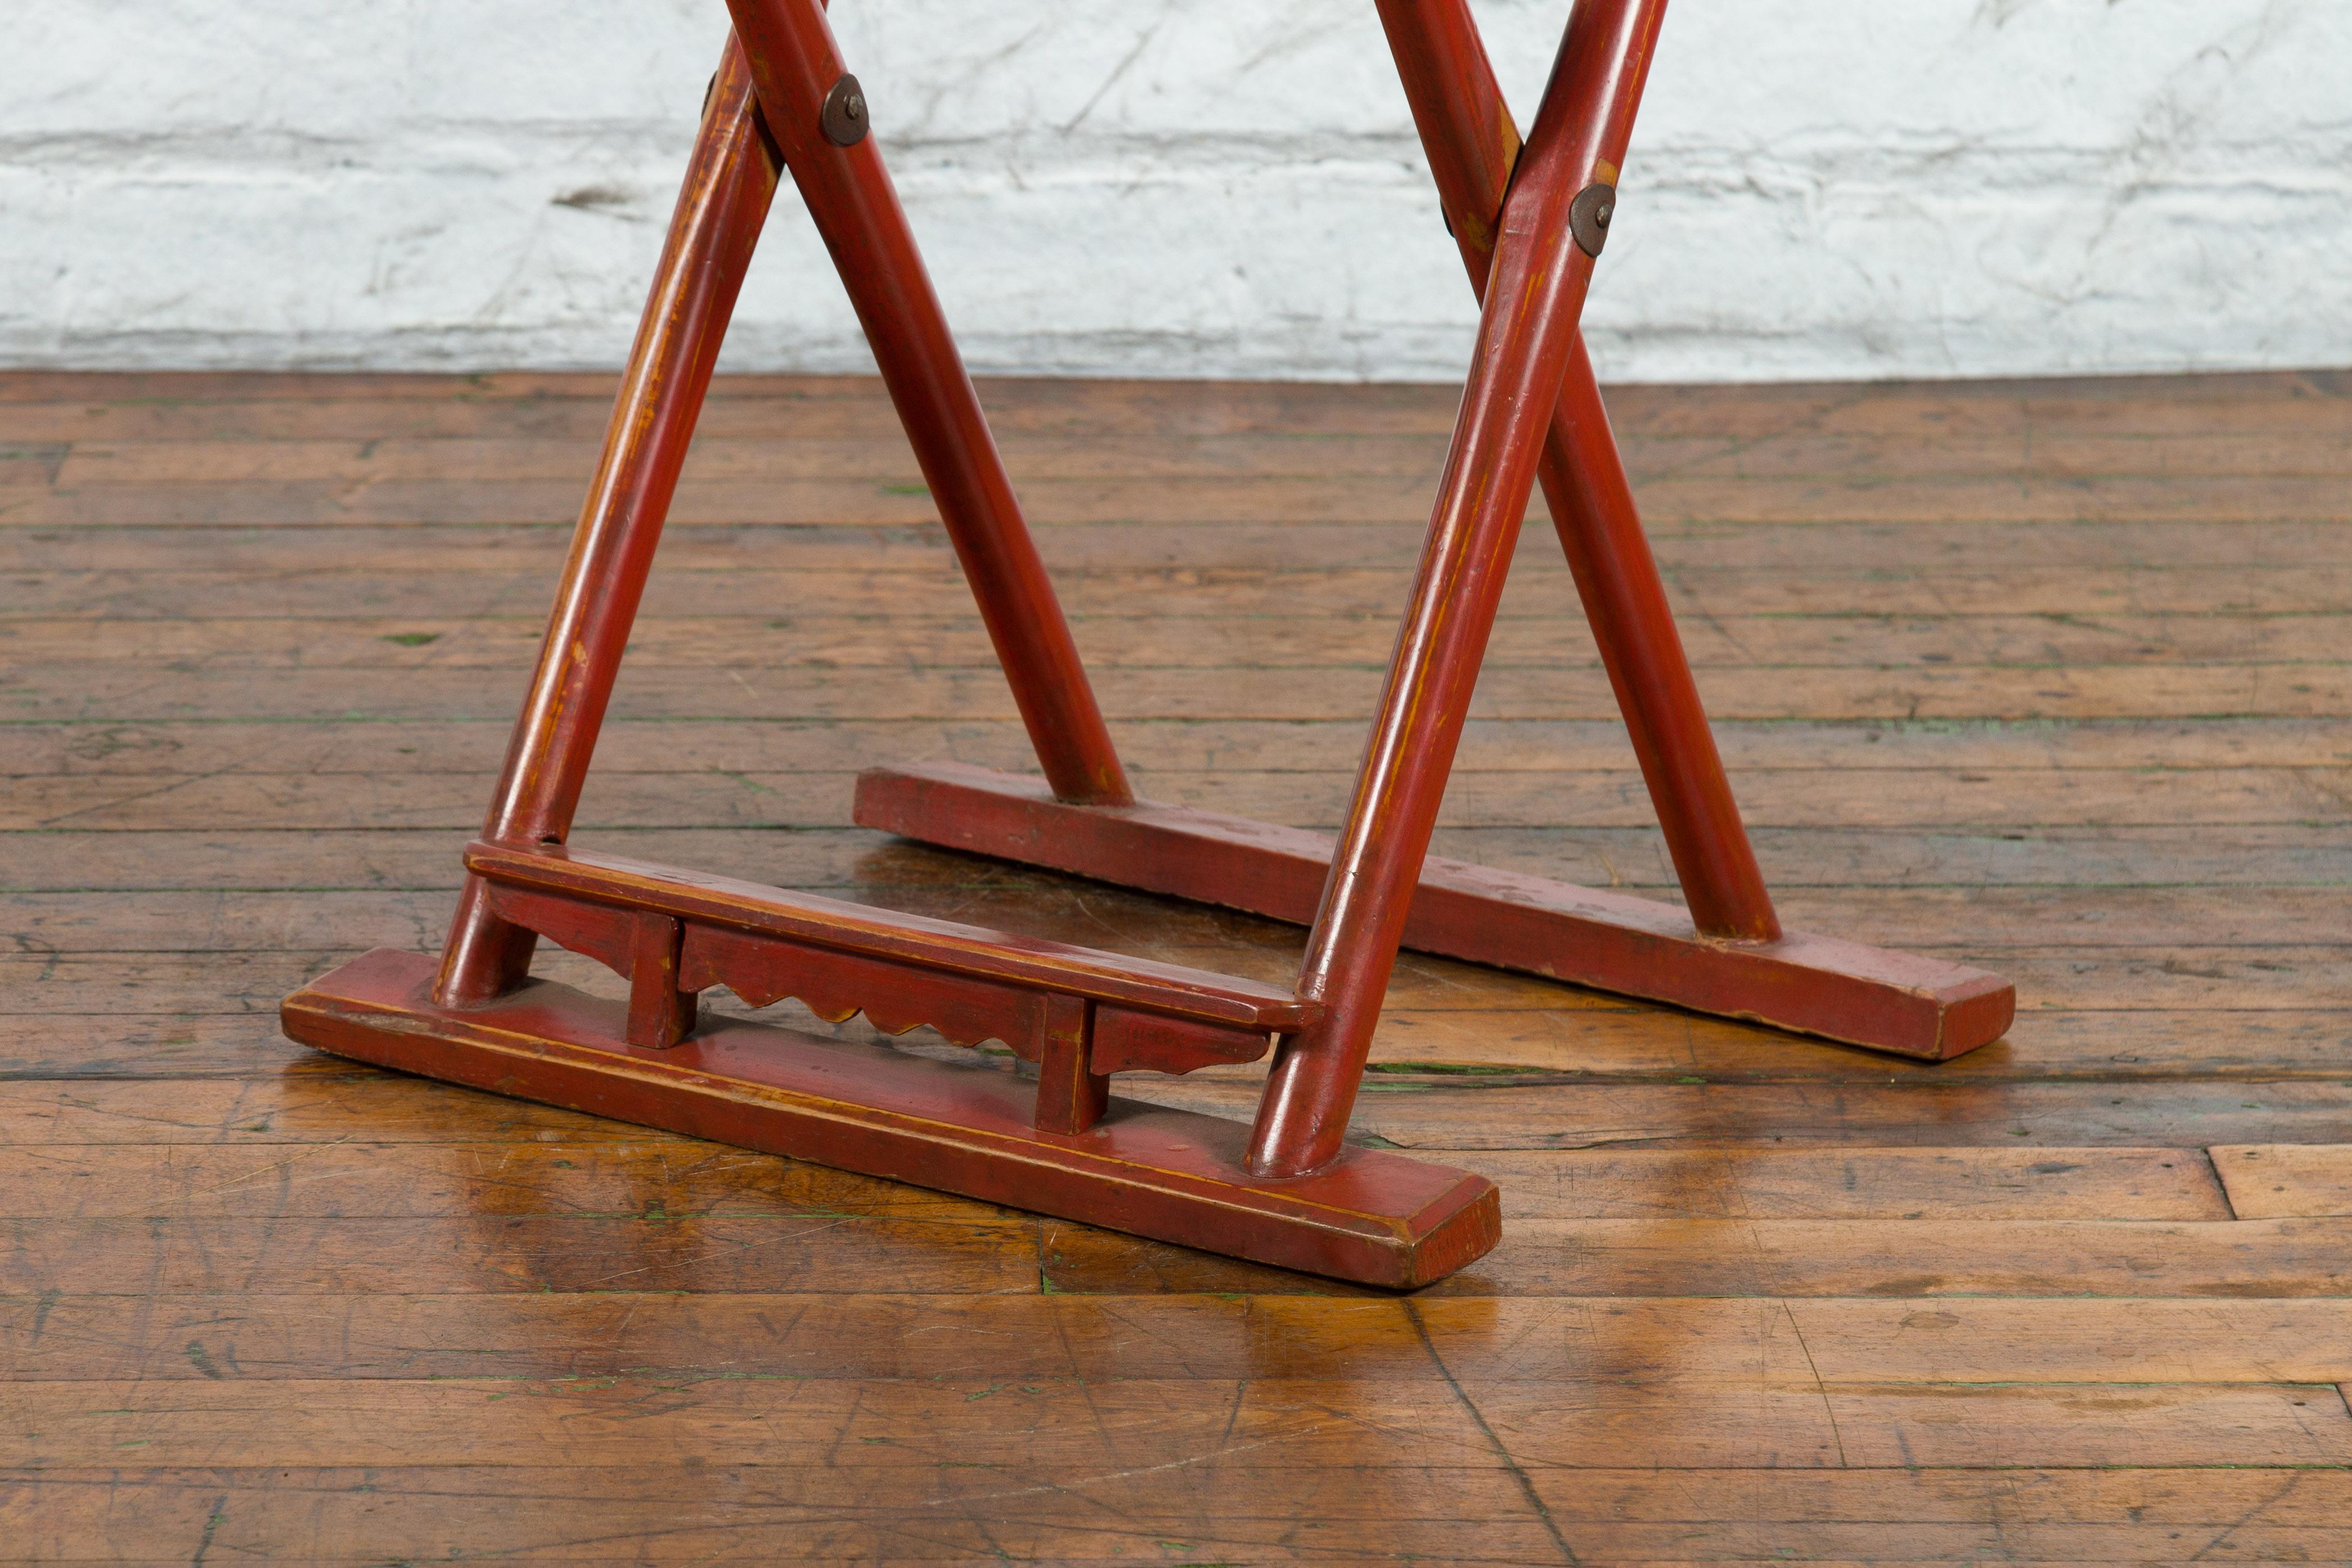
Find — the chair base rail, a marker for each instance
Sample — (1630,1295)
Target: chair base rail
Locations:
(1372,1217)
(1871,997)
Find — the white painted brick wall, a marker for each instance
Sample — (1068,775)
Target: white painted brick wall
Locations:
(1828,188)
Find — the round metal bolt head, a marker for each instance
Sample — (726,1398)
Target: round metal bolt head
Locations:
(843,118)
(1589,216)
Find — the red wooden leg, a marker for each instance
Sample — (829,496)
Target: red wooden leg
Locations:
(1071,1096)
(660,1014)
(848,191)
(1472,144)
(1593,509)
(1524,335)
(728,186)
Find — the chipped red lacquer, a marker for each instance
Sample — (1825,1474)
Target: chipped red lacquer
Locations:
(1289,1190)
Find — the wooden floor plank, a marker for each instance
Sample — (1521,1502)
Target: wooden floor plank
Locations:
(175,920)
(856,641)
(85,460)
(1923,1259)
(102,747)
(1204,1512)
(2275,1181)
(406,1180)
(2302,855)
(1596,1040)
(325,1107)
(2222,980)
(76,691)
(1776,798)
(1792,1342)
(1141,1423)
(1171,584)
(954,1255)
(1269,499)
(1220,564)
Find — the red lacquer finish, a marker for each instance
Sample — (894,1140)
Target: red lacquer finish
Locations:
(1593,504)
(1288,1191)
(1534,293)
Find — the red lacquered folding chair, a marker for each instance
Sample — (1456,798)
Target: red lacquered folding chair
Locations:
(1530,221)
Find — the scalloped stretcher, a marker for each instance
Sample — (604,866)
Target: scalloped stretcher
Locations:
(1529,222)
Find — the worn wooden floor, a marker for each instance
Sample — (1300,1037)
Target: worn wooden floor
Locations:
(2050,677)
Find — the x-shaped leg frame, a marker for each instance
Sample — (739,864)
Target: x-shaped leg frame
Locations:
(1530,221)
